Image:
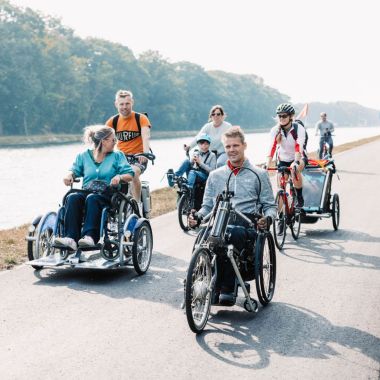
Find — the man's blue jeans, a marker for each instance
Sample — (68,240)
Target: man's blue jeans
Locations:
(89,205)
(192,174)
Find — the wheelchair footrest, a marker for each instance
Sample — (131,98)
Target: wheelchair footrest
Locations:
(48,261)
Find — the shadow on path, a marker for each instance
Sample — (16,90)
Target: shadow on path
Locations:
(244,341)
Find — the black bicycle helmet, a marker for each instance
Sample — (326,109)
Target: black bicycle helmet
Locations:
(285,108)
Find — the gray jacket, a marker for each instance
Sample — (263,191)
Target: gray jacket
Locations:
(246,188)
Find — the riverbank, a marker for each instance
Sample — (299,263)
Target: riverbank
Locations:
(13,244)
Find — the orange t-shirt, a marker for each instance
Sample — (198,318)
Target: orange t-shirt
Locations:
(129,139)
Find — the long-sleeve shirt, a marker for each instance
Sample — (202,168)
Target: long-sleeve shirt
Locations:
(288,145)
(245,184)
(208,161)
(114,163)
(215,134)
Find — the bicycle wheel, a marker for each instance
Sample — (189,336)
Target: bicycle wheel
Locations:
(280,221)
(184,208)
(142,247)
(295,224)
(335,209)
(197,290)
(265,267)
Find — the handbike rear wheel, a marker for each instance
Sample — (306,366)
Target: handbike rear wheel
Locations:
(197,290)
(265,267)
(279,239)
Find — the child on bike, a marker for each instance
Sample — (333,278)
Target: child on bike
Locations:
(198,167)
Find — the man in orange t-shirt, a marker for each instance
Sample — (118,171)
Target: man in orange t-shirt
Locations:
(131,140)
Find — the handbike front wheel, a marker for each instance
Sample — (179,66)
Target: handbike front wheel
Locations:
(265,267)
(197,290)
(279,225)
(184,208)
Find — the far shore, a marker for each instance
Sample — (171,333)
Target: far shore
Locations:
(13,247)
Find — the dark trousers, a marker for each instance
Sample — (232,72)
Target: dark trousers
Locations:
(87,206)
(241,238)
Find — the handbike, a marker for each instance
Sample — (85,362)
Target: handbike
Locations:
(256,261)
(287,213)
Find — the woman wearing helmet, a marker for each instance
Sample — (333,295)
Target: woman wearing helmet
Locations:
(215,128)
(200,163)
(288,139)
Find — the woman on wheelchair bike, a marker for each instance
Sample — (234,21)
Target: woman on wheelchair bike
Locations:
(246,199)
(101,167)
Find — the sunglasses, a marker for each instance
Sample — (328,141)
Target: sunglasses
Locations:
(216,114)
(283,116)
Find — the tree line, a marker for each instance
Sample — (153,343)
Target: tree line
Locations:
(52,81)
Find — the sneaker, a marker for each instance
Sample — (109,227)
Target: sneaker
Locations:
(86,241)
(170,176)
(280,227)
(66,242)
(227,298)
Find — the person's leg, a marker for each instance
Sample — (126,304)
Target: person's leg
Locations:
(94,206)
(136,183)
(184,168)
(297,182)
(74,207)
(331,145)
(321,143)
(191,178)
(222,159)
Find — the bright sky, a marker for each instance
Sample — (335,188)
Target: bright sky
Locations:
(311,50)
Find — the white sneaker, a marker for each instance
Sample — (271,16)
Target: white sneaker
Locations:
(66,242)
(86,241)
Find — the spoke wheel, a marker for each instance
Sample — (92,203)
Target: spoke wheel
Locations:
(335,209)
(42,246)
(197,290)
(184,208)
(279,238)
(142,247)
(295,225)
(265,268)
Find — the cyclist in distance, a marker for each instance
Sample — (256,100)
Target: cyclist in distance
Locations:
(324,128)
(215,128)
(133,134)
(288,139)
(247,199)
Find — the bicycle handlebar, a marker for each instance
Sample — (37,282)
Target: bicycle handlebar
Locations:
(149,156)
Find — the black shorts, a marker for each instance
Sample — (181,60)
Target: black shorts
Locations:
(287,164)
(134,161)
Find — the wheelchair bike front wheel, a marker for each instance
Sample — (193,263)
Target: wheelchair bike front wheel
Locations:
(43,234)
(142,247)
(197,290)
(279,225)
(265,267)
(184,208)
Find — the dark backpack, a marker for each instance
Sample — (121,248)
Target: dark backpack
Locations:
(294,132)
(137,117)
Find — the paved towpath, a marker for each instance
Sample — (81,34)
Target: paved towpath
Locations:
(323,323)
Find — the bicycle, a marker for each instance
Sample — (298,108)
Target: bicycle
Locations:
(287,213)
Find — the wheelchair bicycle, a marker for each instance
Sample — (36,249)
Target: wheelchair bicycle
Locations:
(256,262)
(126,237)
